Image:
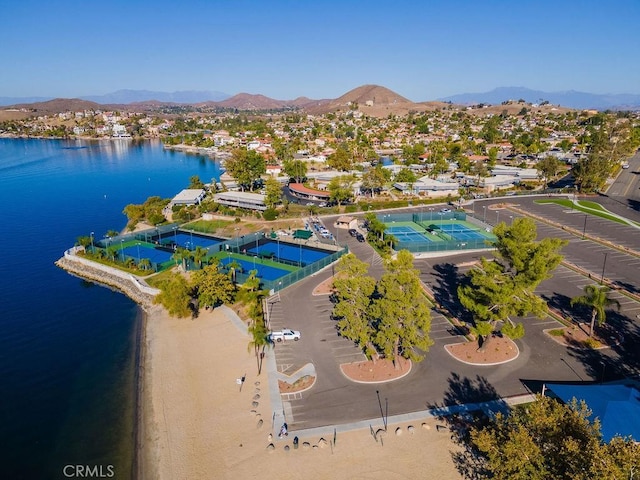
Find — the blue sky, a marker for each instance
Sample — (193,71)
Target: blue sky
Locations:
(423,49)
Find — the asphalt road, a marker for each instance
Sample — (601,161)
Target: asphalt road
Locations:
(440,379)
(626,188)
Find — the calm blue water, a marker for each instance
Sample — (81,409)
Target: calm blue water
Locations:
(66,346)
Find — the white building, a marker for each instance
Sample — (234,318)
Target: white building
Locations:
(189,196)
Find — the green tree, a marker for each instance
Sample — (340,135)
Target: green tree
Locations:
(252,283)
(406,175)
(84,241)
(549,167)
(245,166)
(175,296)
(259,340)
(549,440)
(212,287)
(375,179)
(341,188)
(232,268)
(354,288)
(181,256)
(495,291)
(273,192)
(199,255)
(296,169)
(597,299)
(411,153)
(195,182)
(401,311)
(375,227)
(490,132)
(144,264)
(341,159)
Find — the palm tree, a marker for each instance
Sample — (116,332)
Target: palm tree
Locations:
(180,256)
(259,341)
(597,298)
(112,252)
(232,268)
(199,254)
(144,264)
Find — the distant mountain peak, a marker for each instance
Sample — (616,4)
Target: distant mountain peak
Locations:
(568,98)
(135,96)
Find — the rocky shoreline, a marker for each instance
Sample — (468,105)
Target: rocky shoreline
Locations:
(99,275)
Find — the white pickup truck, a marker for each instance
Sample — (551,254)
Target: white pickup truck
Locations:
(284,334)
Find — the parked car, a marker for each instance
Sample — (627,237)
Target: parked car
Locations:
(625,165)
(445,210)
(284,334)
(359,237)
(353,232)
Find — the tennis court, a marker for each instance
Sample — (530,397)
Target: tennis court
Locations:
(407,234)
(190,241)
(462,232)
(280,251)
(265,272)
(141,251)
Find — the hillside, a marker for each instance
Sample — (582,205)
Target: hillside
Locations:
(60,105)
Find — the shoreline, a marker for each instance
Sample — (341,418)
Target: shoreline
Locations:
(194,418)
(145,307)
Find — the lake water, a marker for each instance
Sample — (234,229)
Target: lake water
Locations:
(67,347)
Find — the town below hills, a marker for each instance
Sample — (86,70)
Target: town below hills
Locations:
(376,100)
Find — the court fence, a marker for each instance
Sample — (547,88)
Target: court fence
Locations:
(114,246)
(430,218)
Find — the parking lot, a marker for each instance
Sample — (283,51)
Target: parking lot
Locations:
(334,399)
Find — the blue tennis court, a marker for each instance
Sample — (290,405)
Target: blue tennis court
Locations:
(288,252)
(460,232)
(264,272)
(146,251)
(191,241)
(407,234)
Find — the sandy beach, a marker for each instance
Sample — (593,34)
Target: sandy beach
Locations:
(197,423)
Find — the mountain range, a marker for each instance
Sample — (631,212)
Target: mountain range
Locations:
(570,98)
(371,99)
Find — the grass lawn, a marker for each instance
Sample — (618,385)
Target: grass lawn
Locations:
(591,208)
(207,226)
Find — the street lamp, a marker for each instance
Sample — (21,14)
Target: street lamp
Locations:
(91,242)
(175,234)
(237,240)
(484,215)
(301,254)
(138,245)
(122,248)
(584,229)
(254,261)
(430,214)
(497,216)
(603,265)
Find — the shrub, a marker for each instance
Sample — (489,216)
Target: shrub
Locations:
(591,343)
(270,214)
(351,208)
(556,332)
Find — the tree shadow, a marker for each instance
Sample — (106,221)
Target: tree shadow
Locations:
(560,303)
(622,357)
(445,291)
(630,287)
(633,204)
(468,403)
